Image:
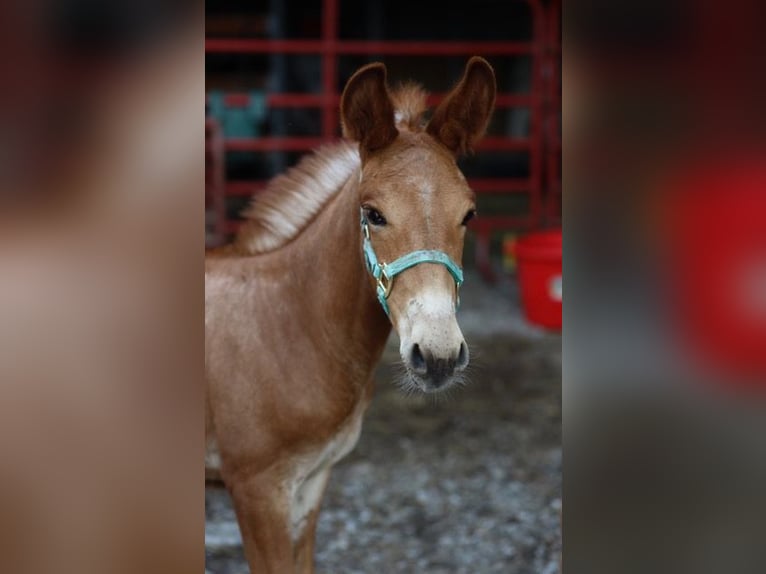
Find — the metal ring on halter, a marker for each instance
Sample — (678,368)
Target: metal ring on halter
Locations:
(385,286)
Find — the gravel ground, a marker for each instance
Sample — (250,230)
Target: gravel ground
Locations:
(468,484)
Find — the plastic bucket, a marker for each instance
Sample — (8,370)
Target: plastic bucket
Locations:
(538,258)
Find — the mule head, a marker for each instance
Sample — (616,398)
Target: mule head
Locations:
(415,204)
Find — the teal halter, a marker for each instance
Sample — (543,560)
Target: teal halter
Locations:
(384,273)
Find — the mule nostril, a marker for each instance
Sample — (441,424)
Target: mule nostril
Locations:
(462,357)
(417,360)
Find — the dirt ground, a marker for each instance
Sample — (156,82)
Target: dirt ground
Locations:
(468,484)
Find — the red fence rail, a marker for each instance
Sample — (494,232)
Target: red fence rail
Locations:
(366,47)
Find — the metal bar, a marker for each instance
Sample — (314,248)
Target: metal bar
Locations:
(482,254)
(277,81)
(274,144)
(552,139)
(536,128)
(329,67)
(361,47)
(433,48)
(492,222)
(260,46)
(241,99)
(244,188)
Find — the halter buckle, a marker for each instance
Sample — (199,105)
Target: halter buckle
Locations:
(384,282)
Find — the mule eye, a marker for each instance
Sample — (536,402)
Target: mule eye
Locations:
(375,217)
(469,216)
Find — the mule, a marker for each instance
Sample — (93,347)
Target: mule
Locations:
(360,236)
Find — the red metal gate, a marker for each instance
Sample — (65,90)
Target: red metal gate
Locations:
(542,143)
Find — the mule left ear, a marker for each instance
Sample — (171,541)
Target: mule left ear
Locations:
(462,117)
(366,111)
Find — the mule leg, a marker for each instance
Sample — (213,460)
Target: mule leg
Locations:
(307,502)
(263,512)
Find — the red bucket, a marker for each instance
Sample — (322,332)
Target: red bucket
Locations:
(538,257)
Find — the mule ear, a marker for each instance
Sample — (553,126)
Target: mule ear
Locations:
(462,117)
(366,111)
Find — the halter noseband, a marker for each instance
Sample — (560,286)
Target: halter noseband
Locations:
(384,273)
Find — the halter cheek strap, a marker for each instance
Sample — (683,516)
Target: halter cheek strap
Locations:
(384,273)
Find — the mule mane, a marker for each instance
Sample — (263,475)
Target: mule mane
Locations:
(409,104)
(291,200)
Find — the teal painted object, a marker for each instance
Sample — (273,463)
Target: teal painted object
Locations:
(384,273)
(238,122)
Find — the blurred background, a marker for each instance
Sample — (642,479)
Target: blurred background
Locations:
(470,484)
(101,211)
(664,330)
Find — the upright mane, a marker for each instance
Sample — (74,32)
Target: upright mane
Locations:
(291,200)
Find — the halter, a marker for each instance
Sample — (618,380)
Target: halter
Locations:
(384,273)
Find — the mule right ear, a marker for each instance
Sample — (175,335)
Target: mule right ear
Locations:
(461,119)
(366,111)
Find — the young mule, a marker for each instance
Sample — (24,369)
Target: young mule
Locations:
(356,238)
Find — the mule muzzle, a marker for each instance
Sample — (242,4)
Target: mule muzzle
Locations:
(435,371)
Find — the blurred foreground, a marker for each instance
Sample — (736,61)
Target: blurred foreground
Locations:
(664,267)
(101,291)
